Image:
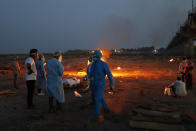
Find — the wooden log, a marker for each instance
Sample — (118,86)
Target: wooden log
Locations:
(157,119)
(191,115)
(157,113)
(162,108)
(7,92)
(156,126)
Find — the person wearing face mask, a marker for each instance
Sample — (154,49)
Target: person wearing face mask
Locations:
(41,75)
(97,74)
(55,69)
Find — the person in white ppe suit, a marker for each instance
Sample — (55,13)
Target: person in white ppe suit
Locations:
(55,90)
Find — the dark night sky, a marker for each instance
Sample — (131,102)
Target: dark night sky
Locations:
(87,24)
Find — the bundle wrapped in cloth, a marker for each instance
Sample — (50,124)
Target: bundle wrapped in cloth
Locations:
(71,82)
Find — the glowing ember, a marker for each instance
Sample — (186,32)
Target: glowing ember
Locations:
(81,73)
(171,60)
(118,68)
(74,73)
(111,93)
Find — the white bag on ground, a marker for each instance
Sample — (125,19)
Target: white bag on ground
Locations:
(71,82)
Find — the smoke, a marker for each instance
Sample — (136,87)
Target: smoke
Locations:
(150,23)
(49,25)
(166,26)
(116,32)
(105,44)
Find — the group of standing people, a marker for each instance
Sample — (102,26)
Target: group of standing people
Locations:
(48,76)
(186,70)
(49,79)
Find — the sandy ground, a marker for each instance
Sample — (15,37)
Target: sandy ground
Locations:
(154,73)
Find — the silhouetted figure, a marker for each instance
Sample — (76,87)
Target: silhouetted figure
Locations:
(188,74)
(30,76)
(16,71)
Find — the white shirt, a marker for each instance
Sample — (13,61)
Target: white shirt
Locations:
(32,76)
(180,88)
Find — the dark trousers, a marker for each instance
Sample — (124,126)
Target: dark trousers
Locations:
(173,90)
(15,79)
(39,90)
(189,81)
(30,91)
(59,105)
(182,76)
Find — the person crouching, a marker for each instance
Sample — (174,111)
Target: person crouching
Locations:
(178,88)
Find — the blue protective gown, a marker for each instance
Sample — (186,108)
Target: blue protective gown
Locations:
(41,78)
(97,74)
(55,71)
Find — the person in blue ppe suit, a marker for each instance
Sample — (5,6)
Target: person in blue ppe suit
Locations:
(90,59)
(41,75)
(55,89)
(97,74)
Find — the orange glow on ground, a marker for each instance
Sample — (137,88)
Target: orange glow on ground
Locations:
(75,73)
(136,74)
(118,71)
(118,68)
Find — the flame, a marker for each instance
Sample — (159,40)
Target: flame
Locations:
(123,72)
(118,68)
(105,54)
(126,73)
(171,60)
(88,62)
(74,73)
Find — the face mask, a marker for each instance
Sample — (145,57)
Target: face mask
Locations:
(95,58)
